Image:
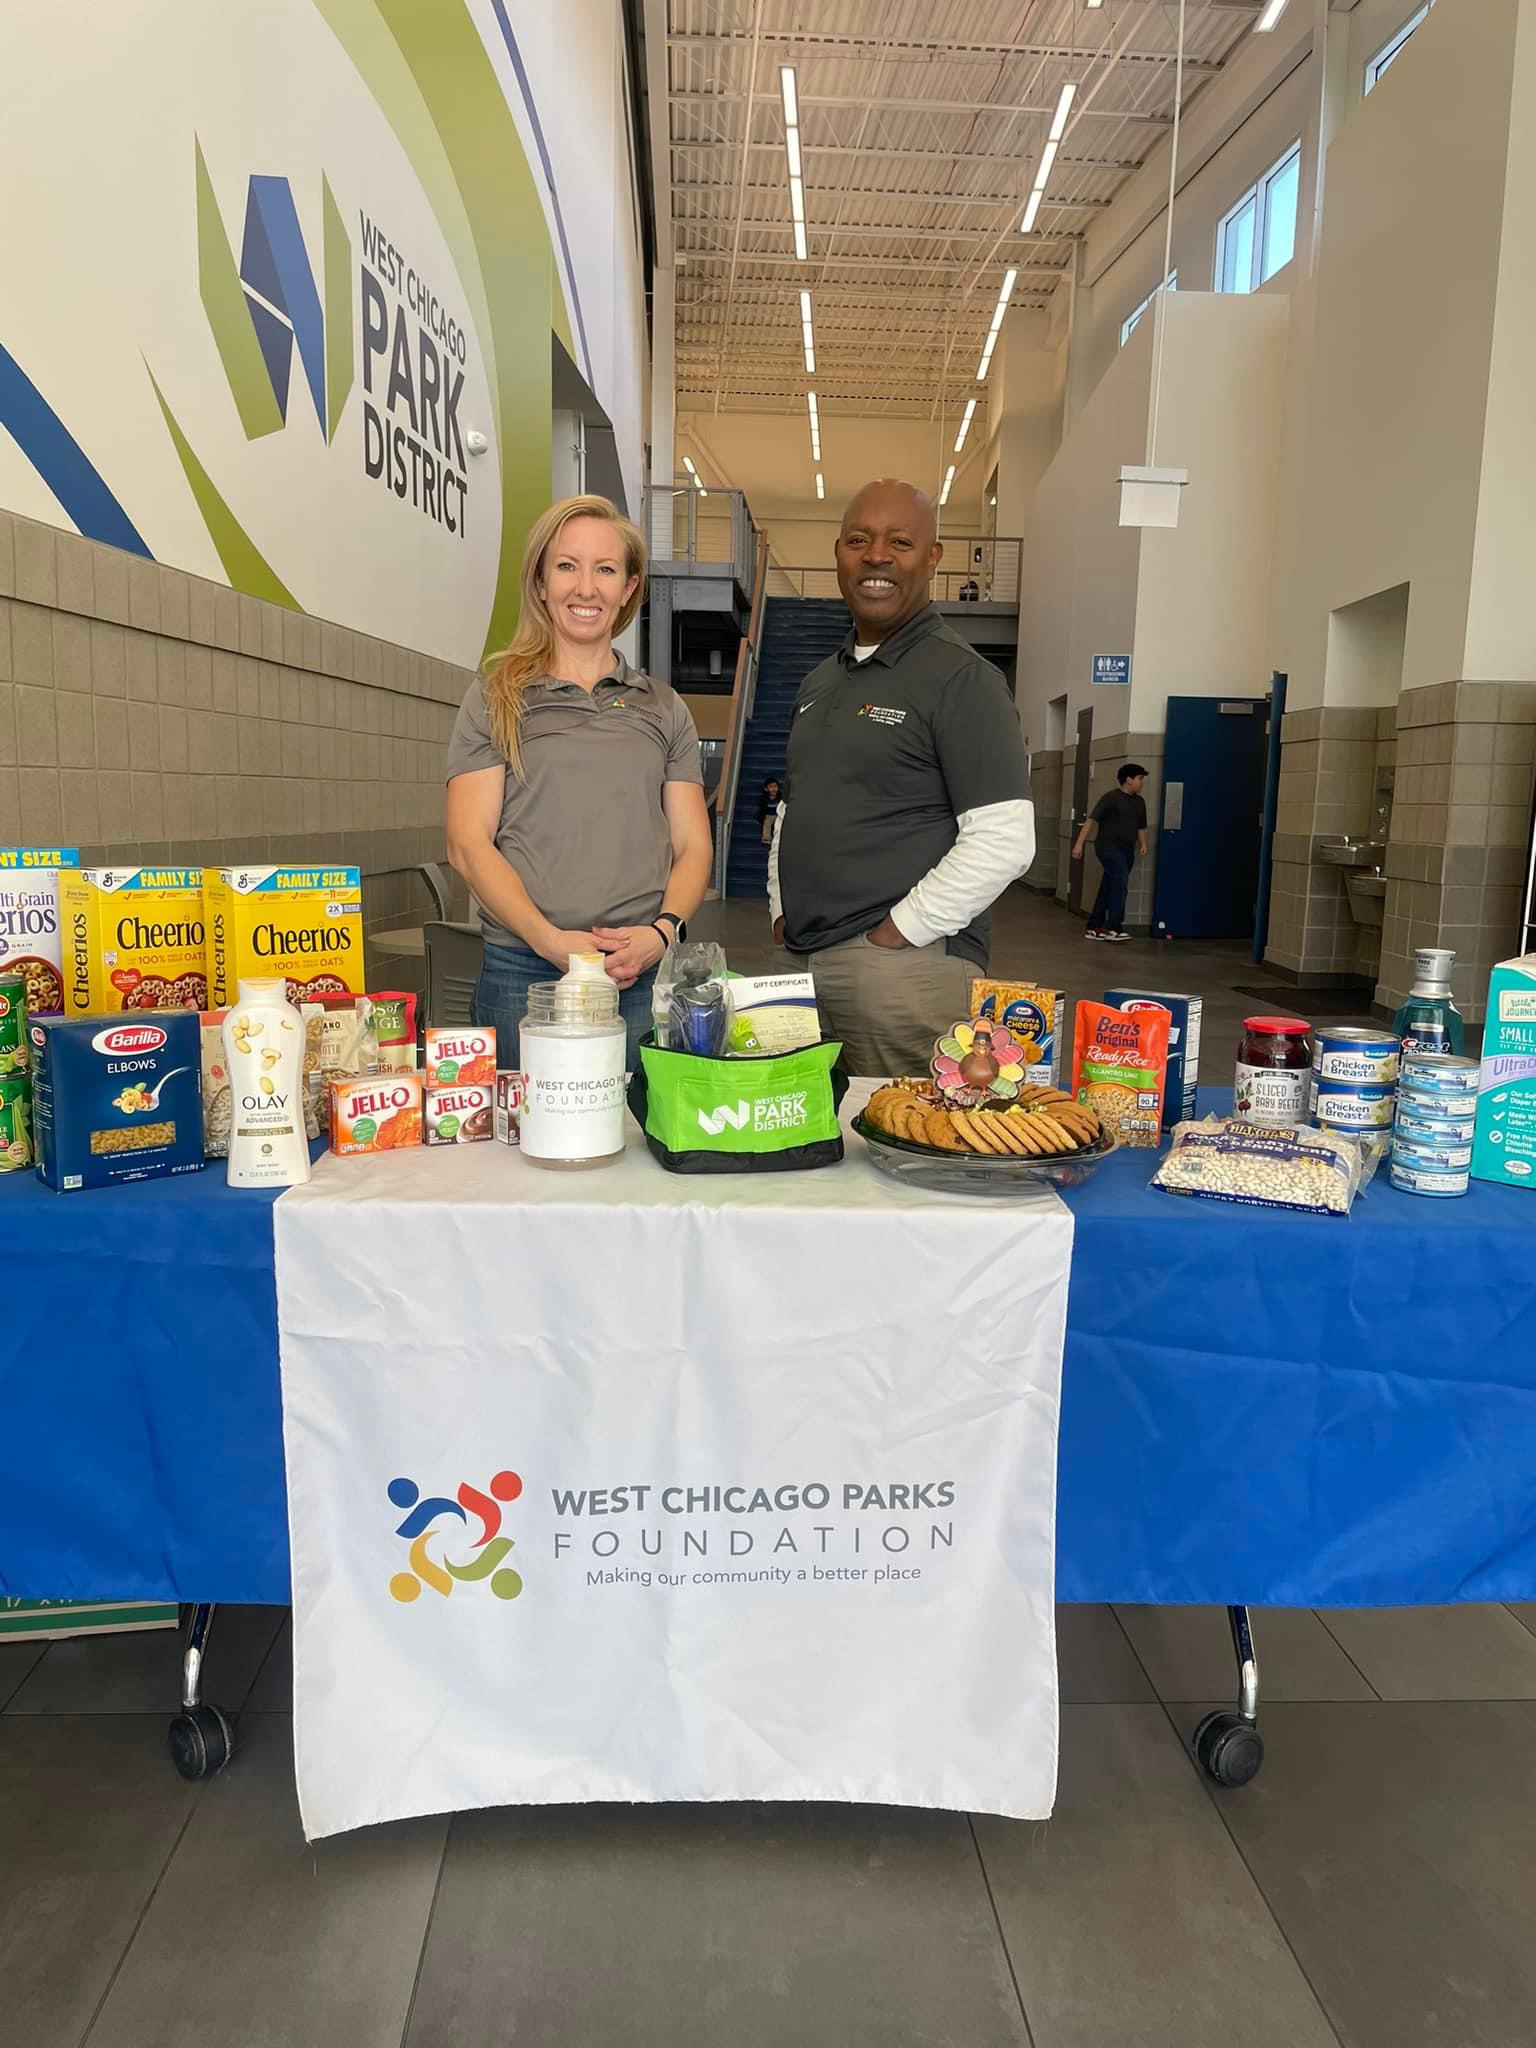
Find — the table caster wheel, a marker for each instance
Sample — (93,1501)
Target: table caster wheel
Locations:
(201,1742)
(1228,1749)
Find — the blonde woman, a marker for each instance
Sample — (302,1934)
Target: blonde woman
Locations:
(575,802)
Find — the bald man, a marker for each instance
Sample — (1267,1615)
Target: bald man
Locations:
(908,809)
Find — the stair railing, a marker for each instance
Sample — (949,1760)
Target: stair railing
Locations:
(743,698)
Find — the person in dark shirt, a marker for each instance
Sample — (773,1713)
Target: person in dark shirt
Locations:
(768,805)
(908,811)
(1117,824)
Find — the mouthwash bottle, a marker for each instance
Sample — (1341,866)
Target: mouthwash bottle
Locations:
(1429,1021)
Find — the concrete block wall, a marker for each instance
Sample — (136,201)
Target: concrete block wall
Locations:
(1329,763)
(149,716)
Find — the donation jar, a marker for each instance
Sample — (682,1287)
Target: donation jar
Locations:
(1274,1071)
(572,1049)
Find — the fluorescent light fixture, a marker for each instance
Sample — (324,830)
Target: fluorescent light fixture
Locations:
(949,477)
(821,488)
(810,406)
(1031,210)
(965,424)
(807,334)
(805,308)
(993,499)
(1063,108)
(800,239)
(1269,17)
(999,311)
(1086,3)
(792,150)
(789,93)
(688,465)
(1047,159)
(797,201)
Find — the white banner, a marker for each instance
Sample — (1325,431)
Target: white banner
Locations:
(630,1486)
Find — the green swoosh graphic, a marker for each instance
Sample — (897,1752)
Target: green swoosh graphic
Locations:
(244,564)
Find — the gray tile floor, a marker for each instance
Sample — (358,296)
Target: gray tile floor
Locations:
(1373,1888)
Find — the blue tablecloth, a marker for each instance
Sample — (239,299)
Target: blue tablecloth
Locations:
(1257,1406)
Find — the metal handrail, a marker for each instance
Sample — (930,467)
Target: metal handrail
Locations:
(743,698)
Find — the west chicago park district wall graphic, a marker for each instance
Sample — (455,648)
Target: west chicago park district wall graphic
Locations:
(281,300)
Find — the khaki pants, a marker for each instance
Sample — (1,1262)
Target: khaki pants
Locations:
(888,1003)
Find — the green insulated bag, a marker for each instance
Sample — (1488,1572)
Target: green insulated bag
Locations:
(774,1114)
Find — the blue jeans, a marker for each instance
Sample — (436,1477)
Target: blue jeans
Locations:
(501,1000)
(1108,913)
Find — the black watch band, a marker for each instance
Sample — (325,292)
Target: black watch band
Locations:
(679,926)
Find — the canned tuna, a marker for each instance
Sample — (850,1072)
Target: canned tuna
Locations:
(1436,1101)
(1361,1058)
(1431,1158)
(1418,1125)
(1439,1073)
(1409,1180)
(1340,1106)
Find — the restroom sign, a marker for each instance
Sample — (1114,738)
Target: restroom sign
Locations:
(1111,668)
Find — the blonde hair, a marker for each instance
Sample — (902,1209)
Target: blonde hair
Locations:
(533,646)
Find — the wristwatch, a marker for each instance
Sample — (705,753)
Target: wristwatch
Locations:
(679,931)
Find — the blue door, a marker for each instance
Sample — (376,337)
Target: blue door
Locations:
(1207,880)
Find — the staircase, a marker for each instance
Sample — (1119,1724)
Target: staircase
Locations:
(798,632)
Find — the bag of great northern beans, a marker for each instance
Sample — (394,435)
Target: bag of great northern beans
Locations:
(1120,1068)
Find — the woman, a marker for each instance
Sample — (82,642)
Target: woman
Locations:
(575,803)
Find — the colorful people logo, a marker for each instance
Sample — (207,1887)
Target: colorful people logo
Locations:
(421,1524)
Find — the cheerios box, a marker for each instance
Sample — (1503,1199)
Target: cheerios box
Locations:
(132,939)
(116,1099)
(305,923)
(29,921)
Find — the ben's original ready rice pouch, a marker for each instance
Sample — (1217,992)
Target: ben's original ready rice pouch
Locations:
(29,922)
(133,939)
(1504,1148)
(303,923)
(1119,1066)
(1183,1045)
(1031,1015)
(776,1114)
(117,1098)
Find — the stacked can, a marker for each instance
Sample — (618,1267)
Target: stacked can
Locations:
(15,1077)
(1436,1116)
(1354,1084)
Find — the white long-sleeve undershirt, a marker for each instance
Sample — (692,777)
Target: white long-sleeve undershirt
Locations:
(995,844)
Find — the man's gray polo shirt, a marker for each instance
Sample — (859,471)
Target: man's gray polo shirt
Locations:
(884,756)
(583,825)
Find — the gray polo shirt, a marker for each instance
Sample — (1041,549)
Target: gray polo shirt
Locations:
(884,756)
(583,825)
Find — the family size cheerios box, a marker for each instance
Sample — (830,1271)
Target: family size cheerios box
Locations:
(29,921)
(305,923)
(132,939)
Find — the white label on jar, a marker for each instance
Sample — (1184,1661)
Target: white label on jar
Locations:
(1271,1095)
(574,1106)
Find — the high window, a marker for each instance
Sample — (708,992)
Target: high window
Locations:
(1128,324)
(1385,57)
(1258,236)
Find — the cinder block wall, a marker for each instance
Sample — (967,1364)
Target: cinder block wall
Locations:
(150,716)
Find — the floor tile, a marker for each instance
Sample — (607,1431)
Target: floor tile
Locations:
(141,1673)
(1188,1654)
(1129,1917)
(1439,1653)
(254,1938)
(90,1809)
(1524,1612)
(714,1927)
(1395,1845)
(272,1692)
(1095,1662)
(16,1660)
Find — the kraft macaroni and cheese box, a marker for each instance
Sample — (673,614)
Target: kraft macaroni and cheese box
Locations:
(1504,1145)
(1183,1046)
(117,1099)
(132,939)
(1033,1015)
(29,921)
(305,923)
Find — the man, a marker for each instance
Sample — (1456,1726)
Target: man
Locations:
(1118,826)
(908,810)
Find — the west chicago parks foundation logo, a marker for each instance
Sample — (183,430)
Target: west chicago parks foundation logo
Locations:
(432,1516)
(277,302)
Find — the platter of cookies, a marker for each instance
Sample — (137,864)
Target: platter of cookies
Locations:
(976,1123)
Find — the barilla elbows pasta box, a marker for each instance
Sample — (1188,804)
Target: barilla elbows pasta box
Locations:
(116,1098)
(304,923)
(1504,1144)
(132,939)
(29,922)
(1183,1046)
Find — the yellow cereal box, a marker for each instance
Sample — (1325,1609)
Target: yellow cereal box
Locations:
(132,939)
(303,923)
(1033,1015)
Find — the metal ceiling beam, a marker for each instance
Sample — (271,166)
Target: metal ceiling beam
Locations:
(889,192)
(871,231)
(897,48)
(792,263)
(712,143)
(924,106)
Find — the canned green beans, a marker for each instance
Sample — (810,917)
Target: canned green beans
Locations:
(13,1018)
(15,1122)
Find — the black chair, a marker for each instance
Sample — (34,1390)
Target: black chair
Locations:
(454,953)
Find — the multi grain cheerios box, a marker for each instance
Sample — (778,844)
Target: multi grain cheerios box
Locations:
(29,921)
(305,923)
(132,939)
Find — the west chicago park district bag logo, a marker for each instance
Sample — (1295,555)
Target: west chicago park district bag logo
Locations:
(431,1517)
(772,1113)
